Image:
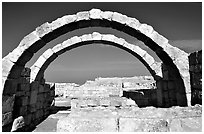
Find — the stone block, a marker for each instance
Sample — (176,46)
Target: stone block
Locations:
(105,102)
(86,124)
(21,110)
(165,85)
(186,125)
(39,113)
(159,39)
(35,85)
(28,119)
(18,123)
(171,85)
(26,72)
(33,97)
(39,105)
(7,103)
(10,87)
(192,59)
(41,88)
(59,22)
(107,15)
(48,53)
(41,60)
(95,14)
(142,125)
(146,29)
(6,118)
(96,36)
(133,23)
(199,57)
(32,108)
(43,29)
(6,67)
(24,80)
(149,59)
(75,39)
(23,87)
(70,18)
(22,101)
(57,48)
(118,17)
(82,15)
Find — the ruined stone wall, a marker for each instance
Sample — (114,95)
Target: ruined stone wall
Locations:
(133,119)
(195,68)
(29,105)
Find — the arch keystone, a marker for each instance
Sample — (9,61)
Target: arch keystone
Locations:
(95,13)
(96,36)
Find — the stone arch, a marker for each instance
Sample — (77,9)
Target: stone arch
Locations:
(174,60)
(38,68)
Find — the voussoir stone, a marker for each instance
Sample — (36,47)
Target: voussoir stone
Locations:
(107,15)
(146,29)
(82,15)
(96,36)
(48,53)
(70,18)
(58,23)
(43,29)
(119,41)
(41,60)
(149,59)
(75,40)
(133,23)
(95,13)
(57,48)
(159,39)
(86,37)
(29,40)
(139,51)
(118,17)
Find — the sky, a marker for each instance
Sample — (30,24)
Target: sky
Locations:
(181,23)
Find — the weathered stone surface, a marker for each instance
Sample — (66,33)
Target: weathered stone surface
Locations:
(34,72)
(18,123)
(6,67)
(95,14)
(23,87)
(41,60)
(139,125)
(75,40)
(43,29)
(29,40)
(6,118)
(58,23)
(33,97)
(26,72)
(82,15)
(74,124)
(96,36)
(133,23)
(146,29)
(22,101)
(86,37)
(149,59)
(107,15)
(7,103)
(48,53)
(57,48)
(159,39)
(118,17)
(10,87)
(70,18)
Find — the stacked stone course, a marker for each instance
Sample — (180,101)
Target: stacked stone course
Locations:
(195,68)
(29,105)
